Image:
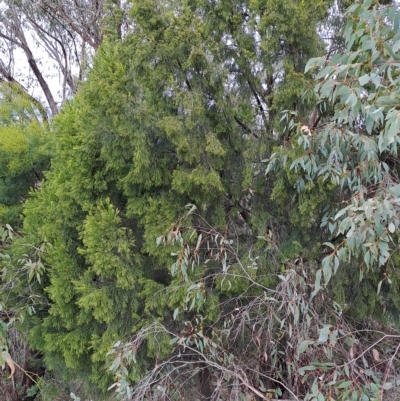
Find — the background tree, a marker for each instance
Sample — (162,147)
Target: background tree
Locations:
(47,47)
(26,146)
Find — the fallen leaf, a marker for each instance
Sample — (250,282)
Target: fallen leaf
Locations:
(10,363)
(375,354)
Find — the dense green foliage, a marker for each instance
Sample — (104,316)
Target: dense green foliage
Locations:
(25,149)
(208,211)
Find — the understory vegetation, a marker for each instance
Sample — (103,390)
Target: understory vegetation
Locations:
(213,214)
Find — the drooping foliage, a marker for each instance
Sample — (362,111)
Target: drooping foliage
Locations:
(351,156)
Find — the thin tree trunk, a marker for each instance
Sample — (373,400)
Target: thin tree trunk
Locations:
(39,76)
